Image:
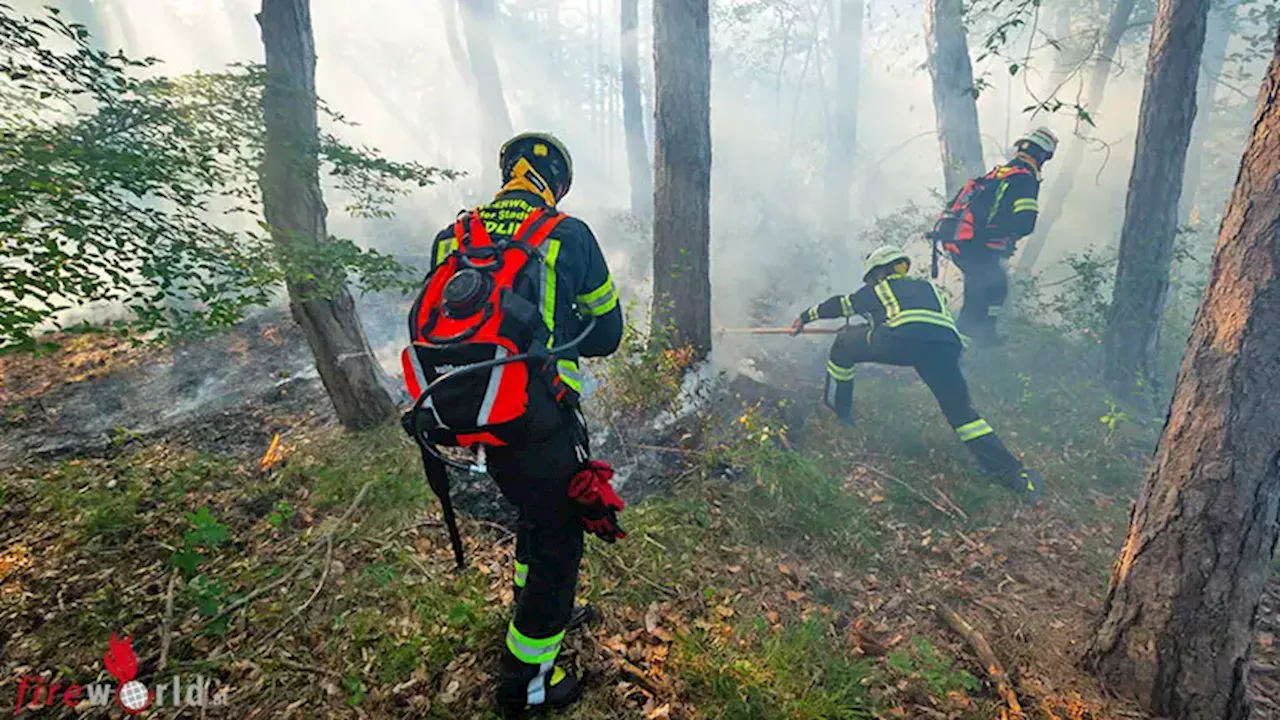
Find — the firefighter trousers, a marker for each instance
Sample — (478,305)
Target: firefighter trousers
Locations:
(938,365)
(986,285)
(535,478)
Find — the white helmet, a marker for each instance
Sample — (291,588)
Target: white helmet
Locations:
(1043,138)
(884,255)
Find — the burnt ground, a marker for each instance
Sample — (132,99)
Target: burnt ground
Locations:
(1031,580)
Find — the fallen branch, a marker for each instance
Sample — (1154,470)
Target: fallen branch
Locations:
(292,665)
(324,575)
(985,654)
(286,577)
(166,630)
(942,509)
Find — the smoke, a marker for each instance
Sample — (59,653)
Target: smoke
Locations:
(388,65)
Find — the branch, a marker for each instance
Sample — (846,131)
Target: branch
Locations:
(985,654)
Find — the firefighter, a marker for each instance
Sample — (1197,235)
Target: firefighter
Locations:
(556,489)
(911,327)
(981,226)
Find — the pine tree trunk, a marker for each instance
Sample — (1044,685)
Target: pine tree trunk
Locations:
(954,104)
(1179,617)
(295,211)
(478,18)
(1151,208)
(1069,170)
(844,130)
(682,178)
(1217,35)
(641,173)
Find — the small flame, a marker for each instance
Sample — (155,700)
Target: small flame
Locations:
(275,453)
(120,660)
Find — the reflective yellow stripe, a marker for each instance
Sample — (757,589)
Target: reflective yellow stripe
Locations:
(1026,205)
(842,374)
(601,300)
(522,574)
(445,248)
(942,300)
(922,316)
(888,299)
(549,291)
(570,375)
(1031,487)
(995,206)
(846,305)
(531,650)
(811,314)
(974,430)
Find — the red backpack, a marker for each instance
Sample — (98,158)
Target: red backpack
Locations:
(956,224)
(479,309)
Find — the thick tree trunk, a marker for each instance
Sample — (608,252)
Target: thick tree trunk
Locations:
(449,11)
(954,104)
(295,211)
(641,172)
(478,18)
(1179,617)
(1069,170)
(842,145)
(1151,208)
(1217,34)
(682,178)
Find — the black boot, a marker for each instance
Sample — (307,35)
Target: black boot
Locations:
(1027,484)
(839,397)
(524,688)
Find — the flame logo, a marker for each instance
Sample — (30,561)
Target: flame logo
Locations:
(120,660)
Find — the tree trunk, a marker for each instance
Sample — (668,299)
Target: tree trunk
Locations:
(842,145)
(478,18)
(682,178)
(954,104)
(1217,35)
(633,114)
(1179,617)
(449,11)
(1151,208)
(1069,170)
(295,211)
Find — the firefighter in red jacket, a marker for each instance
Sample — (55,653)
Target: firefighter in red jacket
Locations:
(911,326)
(981,227)
(557,490)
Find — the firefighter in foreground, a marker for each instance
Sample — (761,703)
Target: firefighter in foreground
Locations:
(910,326)
(549,273)
(982,224)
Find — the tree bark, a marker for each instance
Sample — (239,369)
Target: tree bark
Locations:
(1151,208)
(1217,35)
(449,11)
(295,211)
(1069,170)
(954,103)
(1180,613)
(842,145)
(478,18)
(682,178)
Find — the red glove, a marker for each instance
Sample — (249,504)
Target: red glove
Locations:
(598,504)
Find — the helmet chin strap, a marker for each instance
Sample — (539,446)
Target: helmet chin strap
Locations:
(1027,158)
(524,177)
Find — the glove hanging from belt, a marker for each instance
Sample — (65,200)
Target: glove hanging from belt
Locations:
(598,504)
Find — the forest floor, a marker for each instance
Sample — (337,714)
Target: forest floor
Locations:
(778,565)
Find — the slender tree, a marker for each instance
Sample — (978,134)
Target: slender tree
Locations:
(844,128)
(1151,208)
(295,212)
(1179,617)
(682,178)
(1069,169)
(478,18)
(1217,36)
(640,170)
(954,100)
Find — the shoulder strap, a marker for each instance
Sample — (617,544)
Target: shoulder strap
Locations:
(538,226)
(469,230)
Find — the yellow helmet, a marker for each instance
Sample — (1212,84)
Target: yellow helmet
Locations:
(545,153)
(882,256)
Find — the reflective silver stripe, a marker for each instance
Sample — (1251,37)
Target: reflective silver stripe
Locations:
(538,685)
(491,392)
(832,384)
(422,383)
